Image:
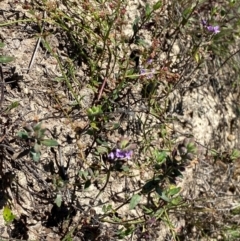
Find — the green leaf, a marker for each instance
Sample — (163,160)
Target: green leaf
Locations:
(135,24)
(233,233)
(125,168)
(232,1)
(134,201)
(2,45)
(235,154)
(185,15)
(23,135)
(147,10)
(39,134)
(8,216)
(12,106)
(173,190)
(197,57)
(49,142)
(87,184)
(160,156)
(107,208)
(59,182)
(37,148)
(235,211)
(131,74)
(157,5)
(94,125)
(191,148)
(6,59)
(95,110)
(149,186)
(58,200)
(124,143)
(158,213)
(35,155)
(59,79)
(122,233)
(83,175)
(187,12)
(38,126)
(101,142)
(162,194)
(102,149)
(214,152)
(177,200)
(146,210)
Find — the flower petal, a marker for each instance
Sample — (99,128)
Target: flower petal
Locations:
(111,155)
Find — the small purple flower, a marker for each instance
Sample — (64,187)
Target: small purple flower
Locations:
(148,74)
(111,155)
(210,28)
(120,154)
(213,29)
(150,61)
(204,22)
(142,71)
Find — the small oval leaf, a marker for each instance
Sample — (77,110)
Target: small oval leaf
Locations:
(162,194)
(58,200)
(157,5)
(49,142)
(35,155)
(87,184)
(147,10)
(134,201)
(8,216)
(6,59)
(12,106)
(38,126)
(23,135)
(37,148)
(102,150)
(173,191)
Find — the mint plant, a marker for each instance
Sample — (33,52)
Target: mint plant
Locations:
(124,150)
(35,136)
(139,64)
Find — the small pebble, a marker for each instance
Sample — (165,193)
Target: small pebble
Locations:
(231,138)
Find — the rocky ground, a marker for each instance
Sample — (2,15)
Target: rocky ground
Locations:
(202,108)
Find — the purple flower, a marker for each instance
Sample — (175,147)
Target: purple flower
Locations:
(120,154)
(148,74)
(111,155)
(204,22)
(210,28)
(150,61)
(213,29)
(142,71)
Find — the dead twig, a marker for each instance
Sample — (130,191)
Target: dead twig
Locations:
(36,47)
(2,86)
(34,55)
(101,90)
